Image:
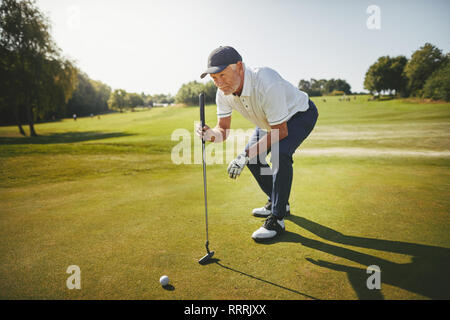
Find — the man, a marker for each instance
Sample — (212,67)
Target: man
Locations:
(284,116)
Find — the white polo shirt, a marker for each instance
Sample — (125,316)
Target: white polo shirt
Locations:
(266,99)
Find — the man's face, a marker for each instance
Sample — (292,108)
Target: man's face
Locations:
(229,79)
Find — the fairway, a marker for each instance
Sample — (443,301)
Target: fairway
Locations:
(371,187)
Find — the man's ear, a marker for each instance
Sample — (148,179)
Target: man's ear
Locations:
(240,66)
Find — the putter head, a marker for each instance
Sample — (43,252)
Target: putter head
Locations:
(206,258)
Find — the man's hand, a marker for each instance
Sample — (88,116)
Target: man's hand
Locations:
(237,165)
(207,133)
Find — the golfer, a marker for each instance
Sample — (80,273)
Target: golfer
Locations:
(284,116)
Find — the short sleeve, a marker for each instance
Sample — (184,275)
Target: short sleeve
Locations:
(274,104)
(223,108)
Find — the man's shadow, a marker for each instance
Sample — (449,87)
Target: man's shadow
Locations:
(217,262)
(427,274)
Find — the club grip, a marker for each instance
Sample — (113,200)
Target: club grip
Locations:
(201,99)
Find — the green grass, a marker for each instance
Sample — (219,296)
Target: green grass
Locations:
(105,195)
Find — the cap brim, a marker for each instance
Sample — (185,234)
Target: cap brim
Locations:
(214,69)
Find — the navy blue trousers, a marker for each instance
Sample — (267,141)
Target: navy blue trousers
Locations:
(276,182)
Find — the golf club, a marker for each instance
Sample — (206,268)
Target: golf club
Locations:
(209,254)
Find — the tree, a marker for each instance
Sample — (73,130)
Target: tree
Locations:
(342,85)
(210,91)
(318,87)
(118,99)
(56,86)
(83,97)
(11,100)
(147,99)
(304,85)
(163,98)
(134,100)
(189,92)
(387,74)
(307,86)
(89,97)
(437,86)
(102,94)
(337,85)
(422,64)
(34,60)
(396,79)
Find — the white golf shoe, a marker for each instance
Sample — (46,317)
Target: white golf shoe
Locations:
(266,211)
(272,227)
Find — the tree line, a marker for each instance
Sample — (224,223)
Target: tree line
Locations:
(120,100)
(39,84)
(425,75)
(322,87)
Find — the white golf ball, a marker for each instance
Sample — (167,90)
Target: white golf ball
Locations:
(164,280)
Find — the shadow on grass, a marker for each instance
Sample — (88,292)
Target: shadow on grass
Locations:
(169,287)
(216,261)
(65,137)
(426,274)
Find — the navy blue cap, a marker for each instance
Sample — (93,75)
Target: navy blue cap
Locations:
(221,58)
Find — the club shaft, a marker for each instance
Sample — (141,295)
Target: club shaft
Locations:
(204,189)
(202,119)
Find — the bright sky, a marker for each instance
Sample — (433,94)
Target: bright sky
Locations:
(154,46)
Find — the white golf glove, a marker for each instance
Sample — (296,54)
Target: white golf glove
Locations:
(207,135)
(237,165)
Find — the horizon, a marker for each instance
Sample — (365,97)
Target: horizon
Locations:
(136,46)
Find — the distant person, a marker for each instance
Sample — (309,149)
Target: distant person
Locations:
(74,117)
(270,102)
